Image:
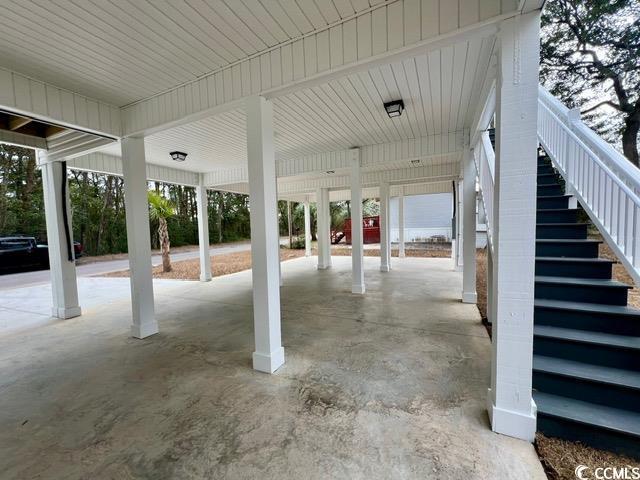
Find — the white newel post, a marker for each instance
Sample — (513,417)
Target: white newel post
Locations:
(307,229)
(269,354)
(62,265)
(491,293)
(324,229)
(134,170)
(469,228)
(357,247)
(203,230)
(385,243)
(512,410)
(460,227)
(401,252)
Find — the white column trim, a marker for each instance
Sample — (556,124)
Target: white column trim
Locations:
(203,230)
(64,286)
(401,246)
(307,228)
(269,354)
(512,410)
(469,203)
(144,321)
(357,247)
(385,243)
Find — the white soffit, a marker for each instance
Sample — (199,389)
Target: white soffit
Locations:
(125,50)
(440,91)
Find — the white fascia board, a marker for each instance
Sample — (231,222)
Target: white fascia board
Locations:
(348,46)
(25,96)
(526,6)
(111,165)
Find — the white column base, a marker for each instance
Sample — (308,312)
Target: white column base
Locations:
(401,255)
(145,330)
(512,424)
(469,297)
(268,363)
(385,268)
(458,268)
(324,267)
(205,278)
(359,289)
(66,313)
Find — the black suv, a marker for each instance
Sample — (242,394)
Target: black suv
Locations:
(17,253)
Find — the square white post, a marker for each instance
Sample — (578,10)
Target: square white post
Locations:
(457,253)
(203,230)
(134,170)
(385,241)
(357,247)
(401,252)
(64,287)
(469,224)
(265,239)
(512,410)
(491,293)
(324,229)
(307,229)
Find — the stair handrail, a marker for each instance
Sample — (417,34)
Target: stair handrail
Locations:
(605,183)
(485,160)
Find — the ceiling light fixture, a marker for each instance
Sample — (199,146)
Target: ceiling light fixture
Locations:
(178,156)
(331,172)
(394,108)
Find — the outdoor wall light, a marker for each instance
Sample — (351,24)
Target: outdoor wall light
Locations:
(331,172)
(394,108)
(178,156)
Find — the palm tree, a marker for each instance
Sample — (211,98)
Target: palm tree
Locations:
(160,210)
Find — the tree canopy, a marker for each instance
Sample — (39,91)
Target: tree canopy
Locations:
(590,56)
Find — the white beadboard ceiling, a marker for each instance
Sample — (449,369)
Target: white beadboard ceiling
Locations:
(120,51)
(440,91)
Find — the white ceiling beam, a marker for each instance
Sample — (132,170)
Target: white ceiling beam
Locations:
(19,122)
(388,155)
(111,165)
(24,96)
(315,59)
(22,140)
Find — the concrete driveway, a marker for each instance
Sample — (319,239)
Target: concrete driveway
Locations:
(14,280)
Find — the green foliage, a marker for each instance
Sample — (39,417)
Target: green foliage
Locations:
(159,206)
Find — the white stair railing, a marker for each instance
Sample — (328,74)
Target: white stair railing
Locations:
(605,183)
(484,158)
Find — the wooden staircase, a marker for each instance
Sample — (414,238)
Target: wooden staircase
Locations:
(586,363)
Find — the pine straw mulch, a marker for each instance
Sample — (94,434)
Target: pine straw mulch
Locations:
(560,458)
(220,265)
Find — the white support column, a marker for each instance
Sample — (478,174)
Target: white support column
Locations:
(307,229)
(134,171)
(458,259)
(385,241)
(64,287)
(491,302)
(401,252)
(203,231)
(265,239)
(357,247)
(324,229)
(469,227)
(512,410)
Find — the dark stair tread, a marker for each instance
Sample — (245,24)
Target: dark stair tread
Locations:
(587,307)
(560,224)
(609,418)
(588,336)
(587,371)
(567,240)
(556,196)
(551,210)
(588,282)
(575,259)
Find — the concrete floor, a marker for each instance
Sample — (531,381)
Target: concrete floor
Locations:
(388,385)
